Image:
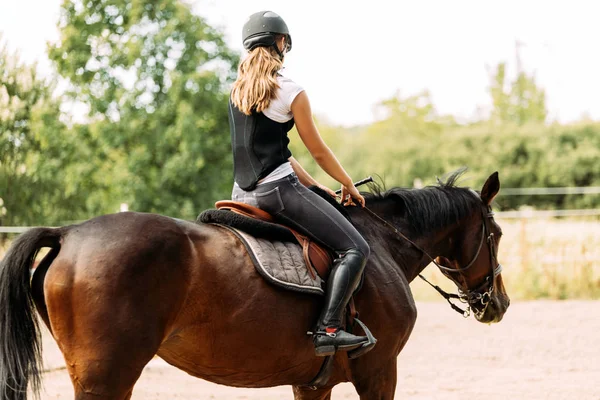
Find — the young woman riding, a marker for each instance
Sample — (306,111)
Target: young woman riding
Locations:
(263,108)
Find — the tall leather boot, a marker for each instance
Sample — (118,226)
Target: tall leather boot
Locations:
(343,280)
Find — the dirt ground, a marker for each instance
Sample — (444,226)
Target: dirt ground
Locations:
(541,350)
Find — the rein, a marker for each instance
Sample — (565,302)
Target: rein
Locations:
(469,297)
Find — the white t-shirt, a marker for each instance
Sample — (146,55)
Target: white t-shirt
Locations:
(280,108)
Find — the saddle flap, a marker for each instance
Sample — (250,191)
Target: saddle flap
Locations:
(315,256)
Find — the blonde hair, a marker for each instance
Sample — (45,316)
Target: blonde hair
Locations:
(256,83)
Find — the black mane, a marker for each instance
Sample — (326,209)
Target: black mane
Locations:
(427,209)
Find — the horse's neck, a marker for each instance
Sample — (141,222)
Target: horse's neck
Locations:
(405,255)
(434,244)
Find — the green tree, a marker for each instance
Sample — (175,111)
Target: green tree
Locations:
(36,149)
(520,101)
(154,77)
(401,146)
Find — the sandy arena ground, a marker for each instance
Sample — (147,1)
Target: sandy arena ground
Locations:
(541,350)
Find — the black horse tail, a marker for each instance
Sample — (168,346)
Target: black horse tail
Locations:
(20,339)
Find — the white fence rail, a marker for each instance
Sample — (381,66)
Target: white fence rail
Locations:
(528,214)
(550,190)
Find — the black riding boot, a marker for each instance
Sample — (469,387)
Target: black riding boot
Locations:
(343,280)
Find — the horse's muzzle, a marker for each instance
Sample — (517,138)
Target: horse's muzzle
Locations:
(495,310)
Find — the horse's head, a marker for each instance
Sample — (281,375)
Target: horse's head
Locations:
(474,266)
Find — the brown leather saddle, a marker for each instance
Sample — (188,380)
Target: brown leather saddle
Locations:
(315,256)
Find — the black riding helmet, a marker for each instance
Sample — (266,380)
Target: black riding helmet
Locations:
(261,28)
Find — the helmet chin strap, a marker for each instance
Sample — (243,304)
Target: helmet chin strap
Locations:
(279,52)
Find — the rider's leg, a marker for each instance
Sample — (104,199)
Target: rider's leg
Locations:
(343,280)
(295,205)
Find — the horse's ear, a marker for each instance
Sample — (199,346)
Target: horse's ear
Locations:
(490,189)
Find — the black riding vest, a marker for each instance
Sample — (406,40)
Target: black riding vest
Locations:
(259,146)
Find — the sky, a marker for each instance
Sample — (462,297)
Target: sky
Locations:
(350,55)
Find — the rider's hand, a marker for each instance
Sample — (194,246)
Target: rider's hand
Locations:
(350,192)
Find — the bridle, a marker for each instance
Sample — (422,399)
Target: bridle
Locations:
(479,296)
(473,298)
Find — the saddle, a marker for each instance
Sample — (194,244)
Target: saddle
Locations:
(315,256)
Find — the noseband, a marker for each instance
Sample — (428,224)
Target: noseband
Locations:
(473,298)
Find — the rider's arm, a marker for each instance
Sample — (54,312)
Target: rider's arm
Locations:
(314,143)
(305,178)
(318,148)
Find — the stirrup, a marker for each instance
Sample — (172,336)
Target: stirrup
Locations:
(365,348)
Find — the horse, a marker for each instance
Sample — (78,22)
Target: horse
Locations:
(118,289)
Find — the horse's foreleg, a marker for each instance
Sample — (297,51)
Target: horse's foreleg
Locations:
(304,393)
(380,385)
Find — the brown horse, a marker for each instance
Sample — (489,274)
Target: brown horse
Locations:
(118,289)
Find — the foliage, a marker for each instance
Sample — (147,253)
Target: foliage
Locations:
(38,159)
(154,77)
(413,145)
(520,103)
